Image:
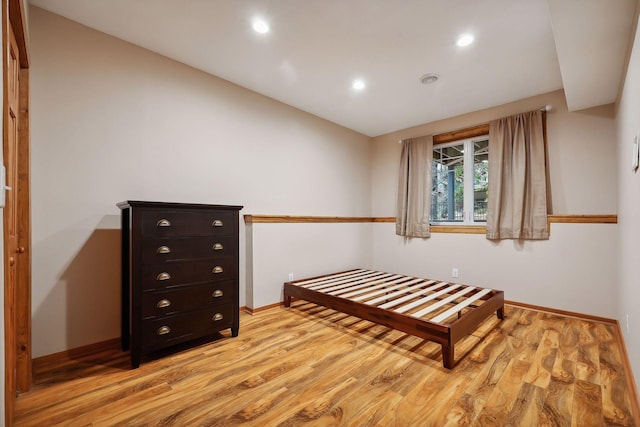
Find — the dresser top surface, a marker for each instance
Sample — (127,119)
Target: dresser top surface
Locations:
(171,205)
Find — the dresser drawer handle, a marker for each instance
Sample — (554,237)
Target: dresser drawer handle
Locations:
(217,316)
(164,330)
(218,247)
(163,276)
(217,293)
(217,269)
(217,223)
(163,303)
(163,250)
(163,223)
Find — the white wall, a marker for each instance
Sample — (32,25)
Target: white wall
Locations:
(575,269)
(111,122)
(628,120)
(306,250)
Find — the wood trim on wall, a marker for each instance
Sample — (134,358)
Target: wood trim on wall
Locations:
(459,229)
(583,219)
(280,219)
(562,312)
(631,383)
(253,311)
(469,229)
(43,362)
(457,135)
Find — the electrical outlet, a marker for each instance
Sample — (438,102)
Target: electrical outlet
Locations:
(454,272)
(627,321)
(290,276)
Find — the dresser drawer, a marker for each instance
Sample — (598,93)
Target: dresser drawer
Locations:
(190,223)
(168,330)
(171,249)
(156,276)
(171,301)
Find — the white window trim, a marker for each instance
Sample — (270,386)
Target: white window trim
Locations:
(468,201)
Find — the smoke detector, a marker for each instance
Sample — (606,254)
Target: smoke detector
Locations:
(429,78)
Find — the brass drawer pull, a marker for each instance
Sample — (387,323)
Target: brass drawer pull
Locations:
(217,316)
(163,303)
(163,250)
(163,223)
(164,330)
(217,293)
(218,247)
(163,276)
(217,269)
(217,223)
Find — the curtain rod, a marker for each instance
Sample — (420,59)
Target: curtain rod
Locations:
(545,108)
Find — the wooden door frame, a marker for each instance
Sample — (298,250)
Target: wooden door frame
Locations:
(13,14)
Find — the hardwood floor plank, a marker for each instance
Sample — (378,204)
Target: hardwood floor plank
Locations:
(614,398)
(310,365)
(464,411)
(557,406)
(587,405)
(588,363)
(525,410)
(492,362)
(564,371)
(502,399)
(540,372)
(442,414)
(322,406)
(373,411)
(569,339)
(558,403)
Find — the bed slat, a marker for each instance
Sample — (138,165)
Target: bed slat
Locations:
(466,303)
(347,286)
(426,299)
(336,276)
(377,290)
(442,302)
(381,286)
(411,295)
(323,286)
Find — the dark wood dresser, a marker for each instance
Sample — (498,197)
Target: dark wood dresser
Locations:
(179,273)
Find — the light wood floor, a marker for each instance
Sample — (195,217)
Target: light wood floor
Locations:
(313,366)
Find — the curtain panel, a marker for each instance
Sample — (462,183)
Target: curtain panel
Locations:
(517,206)
(414,187)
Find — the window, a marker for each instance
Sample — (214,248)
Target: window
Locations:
(460,181)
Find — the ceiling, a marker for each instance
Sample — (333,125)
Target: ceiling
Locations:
(316,48)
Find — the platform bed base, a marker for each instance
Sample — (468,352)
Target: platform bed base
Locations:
(441,312)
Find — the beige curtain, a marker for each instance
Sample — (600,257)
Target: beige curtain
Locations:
(414,187)
(517,178)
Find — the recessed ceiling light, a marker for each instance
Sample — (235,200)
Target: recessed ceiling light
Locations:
(358,84)
(464,40)
(260,26)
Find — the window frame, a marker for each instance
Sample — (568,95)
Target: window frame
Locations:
(468,143)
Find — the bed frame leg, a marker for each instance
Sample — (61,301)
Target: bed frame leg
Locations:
(500,313)
(447,356)
(287,301)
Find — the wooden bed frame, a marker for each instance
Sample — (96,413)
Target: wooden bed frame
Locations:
(438,311)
